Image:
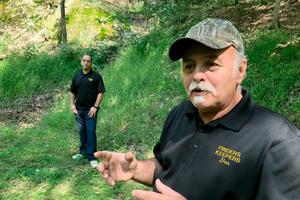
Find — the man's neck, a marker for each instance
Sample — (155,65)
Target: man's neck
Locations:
(86,71)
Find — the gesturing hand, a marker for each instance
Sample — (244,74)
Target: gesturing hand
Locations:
(165,193)
(116,166)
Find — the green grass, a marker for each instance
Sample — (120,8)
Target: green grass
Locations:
(142,86)
(273,72)
(24,75)
(36,162)
(140,91)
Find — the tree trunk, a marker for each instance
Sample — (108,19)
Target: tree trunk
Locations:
(276,14)
(63,28)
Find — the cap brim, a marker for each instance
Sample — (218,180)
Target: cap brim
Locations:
(180,45)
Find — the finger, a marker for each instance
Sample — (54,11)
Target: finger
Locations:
(164,189)
(98,154)
(105,174)
(111,181)
(103,154)
(145,195)
(102,171)
(102,166)
(129,157)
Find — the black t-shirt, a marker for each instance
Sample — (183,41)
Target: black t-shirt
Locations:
(86,88)
(251,153)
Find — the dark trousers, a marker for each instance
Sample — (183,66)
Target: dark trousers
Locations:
(87,132)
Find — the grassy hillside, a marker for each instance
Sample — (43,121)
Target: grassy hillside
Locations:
(142,86)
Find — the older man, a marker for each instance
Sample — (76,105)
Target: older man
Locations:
(218,145)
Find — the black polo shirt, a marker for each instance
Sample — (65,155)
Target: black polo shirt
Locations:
(251,153)
(86,88)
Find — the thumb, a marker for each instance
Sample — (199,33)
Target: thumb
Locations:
(163,189)
(130,158)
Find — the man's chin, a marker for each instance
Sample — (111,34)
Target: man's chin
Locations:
(197,100)
(197,104)
(201,103)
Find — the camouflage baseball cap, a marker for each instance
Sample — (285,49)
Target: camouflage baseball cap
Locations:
(213,33)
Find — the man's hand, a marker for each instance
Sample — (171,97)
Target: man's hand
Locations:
(92,112)
(74,110)
(116,166)
(165,193)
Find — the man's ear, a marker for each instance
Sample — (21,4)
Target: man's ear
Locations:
(242,71)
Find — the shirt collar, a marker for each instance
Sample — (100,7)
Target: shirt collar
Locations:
(233,120)
(91,71)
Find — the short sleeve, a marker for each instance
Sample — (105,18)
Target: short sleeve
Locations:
(101,86)
(73,86)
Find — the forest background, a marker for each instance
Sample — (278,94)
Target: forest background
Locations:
(129,41)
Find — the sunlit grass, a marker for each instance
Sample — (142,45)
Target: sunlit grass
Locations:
(86,23)
(273,75)
(142,87)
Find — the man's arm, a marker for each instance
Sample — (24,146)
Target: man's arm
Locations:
(95,107)
(280,177)
(72,103)
(98,100)
(145,171)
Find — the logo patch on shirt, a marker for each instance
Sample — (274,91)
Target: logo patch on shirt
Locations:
(90,79)
(227,155)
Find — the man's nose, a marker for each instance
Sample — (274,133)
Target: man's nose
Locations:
(199,74)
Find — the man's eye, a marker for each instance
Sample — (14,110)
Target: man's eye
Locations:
(188,67)
(212,66)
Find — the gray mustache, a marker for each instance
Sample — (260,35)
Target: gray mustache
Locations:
(201,86)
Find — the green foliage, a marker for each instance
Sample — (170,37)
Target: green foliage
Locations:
(20,13)
(138,86)
(3,45)
(273,75)
(87,24)
(102,53)
(23,75)
(30,51)
(180,14)
(142,86)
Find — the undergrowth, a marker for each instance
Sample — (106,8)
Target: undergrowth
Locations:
(142,86)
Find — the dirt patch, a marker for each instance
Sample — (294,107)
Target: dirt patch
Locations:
(26,112)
